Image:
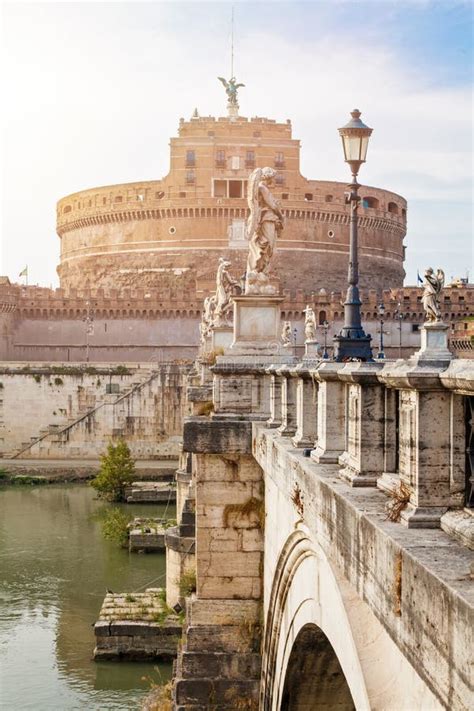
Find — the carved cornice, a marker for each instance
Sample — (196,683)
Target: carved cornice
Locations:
(215,212)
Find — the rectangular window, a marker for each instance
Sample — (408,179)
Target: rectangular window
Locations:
(235,163)
(237,238)
(235,188)
(220,188)
(190,158)
(279,160)
(220,159)
(279,180)
(190,177)
(250,159)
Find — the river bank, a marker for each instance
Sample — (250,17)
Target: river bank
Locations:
(43,471)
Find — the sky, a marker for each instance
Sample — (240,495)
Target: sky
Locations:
(92,91)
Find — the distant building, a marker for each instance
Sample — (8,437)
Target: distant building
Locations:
(137,259)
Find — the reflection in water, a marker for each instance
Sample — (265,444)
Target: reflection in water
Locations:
(55,567)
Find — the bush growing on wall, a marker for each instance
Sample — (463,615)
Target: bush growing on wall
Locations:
(117,470)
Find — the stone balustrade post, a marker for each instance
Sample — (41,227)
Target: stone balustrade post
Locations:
(363,459)
(288,404)
(275,395)
(430,446)
(330,413)
(306,408)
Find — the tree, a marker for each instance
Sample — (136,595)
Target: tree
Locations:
(117,470)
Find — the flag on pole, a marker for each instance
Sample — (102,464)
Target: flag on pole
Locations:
(418,277)
(24,272)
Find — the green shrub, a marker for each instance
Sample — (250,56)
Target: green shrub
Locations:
(37,377)
(117,470)
(115,527)
(187,583)
(58,381)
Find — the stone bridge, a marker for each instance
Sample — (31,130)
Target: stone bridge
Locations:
(333,536)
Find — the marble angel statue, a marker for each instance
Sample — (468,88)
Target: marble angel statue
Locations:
(432,287)
(226,286)
(286,334)
(309,324)
(264,226)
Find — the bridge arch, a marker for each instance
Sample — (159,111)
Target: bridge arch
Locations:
(306,610)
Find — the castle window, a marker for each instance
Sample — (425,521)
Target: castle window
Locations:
(190,159)
(415,327)
(220,159)
(104,201)
(250,159)
(67,209)
(285,196)
(118,198)
(190,177)
(182,194)
(279,160)
(279,180)
(220,188)
(322,317)
(328,198)
(370,202)
(235,189)
(237,238)
(393,208)
(160,195)
(308,197)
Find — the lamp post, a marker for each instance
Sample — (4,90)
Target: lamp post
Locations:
(352,341)
(381,354)
(400,319)
(325,327)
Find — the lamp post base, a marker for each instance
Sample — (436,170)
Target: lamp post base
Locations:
(352,346)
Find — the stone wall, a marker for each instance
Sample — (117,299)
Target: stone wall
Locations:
(156,325)
(73,411)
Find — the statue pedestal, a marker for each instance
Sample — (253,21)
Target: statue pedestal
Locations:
(312,350)
(222,337)
(257,325)
(434,343)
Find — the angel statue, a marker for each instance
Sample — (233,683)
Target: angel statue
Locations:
(264,226)
(226,286)
(309,324)
(231,90)
(286,334)
(431,294)
(207,317)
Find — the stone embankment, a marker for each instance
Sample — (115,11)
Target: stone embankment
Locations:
(150,492)
(137,626)
(76,470)
(147,535)
(73,410)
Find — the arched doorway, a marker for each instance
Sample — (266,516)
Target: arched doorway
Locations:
(314,678)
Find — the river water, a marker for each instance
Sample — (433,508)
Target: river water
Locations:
(55,566)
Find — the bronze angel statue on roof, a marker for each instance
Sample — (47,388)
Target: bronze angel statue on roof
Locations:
(264,224)
(231,89)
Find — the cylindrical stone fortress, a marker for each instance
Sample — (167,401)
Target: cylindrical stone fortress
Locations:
(172,231)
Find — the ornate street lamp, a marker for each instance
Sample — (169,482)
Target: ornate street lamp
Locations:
(352,341)
(381,353)
(325,327)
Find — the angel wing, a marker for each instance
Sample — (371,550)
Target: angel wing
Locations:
(252,201)
(441,277)
(237,86)
(224,81)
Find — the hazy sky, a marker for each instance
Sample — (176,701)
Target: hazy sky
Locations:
(93,91)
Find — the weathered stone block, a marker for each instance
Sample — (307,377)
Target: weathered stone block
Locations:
(204,435)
